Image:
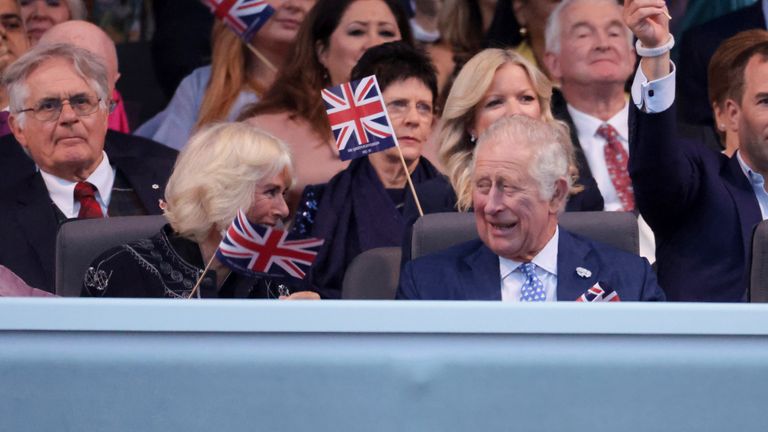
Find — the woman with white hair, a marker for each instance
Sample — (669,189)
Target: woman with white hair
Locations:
(224,168)
(40,15)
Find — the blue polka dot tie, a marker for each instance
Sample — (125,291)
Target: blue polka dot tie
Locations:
(533,290)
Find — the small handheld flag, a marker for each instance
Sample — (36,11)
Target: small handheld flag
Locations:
(599,294)
(244,17)
(252,249)
(358,118)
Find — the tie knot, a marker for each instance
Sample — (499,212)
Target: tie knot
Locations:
(528,269)
(84,190)
(607,131)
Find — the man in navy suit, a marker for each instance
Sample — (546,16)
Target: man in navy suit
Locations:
(702,205)
(59,99)
(520,182)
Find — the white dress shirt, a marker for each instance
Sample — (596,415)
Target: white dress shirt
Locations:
(512,277)
(62,192)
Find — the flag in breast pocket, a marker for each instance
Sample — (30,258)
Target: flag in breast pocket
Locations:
(599,294)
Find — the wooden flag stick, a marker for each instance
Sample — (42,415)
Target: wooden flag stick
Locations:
(408,177)
(200,279)
(261,57)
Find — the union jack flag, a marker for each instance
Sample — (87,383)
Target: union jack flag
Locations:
(358,118)
(598,294)
(244,17)
(250,249)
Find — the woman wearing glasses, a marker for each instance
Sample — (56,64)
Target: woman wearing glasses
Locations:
(361,207)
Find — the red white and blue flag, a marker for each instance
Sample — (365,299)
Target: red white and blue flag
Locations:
(599,294)
(252,249)
(244,17)
(358,118)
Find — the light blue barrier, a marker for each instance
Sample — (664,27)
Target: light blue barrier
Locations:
(154,365)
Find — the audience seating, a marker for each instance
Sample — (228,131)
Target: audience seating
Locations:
(80,241)
(373,275)
(758,286)
(437,231)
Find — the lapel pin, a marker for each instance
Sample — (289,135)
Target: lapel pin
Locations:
(583,273)
(155,186)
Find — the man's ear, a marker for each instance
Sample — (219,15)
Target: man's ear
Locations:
(552,63)
(559,197)
(17,130)
(731,115)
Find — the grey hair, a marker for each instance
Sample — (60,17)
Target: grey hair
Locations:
(550,161)
(86,64)
(553,29)
(77,10)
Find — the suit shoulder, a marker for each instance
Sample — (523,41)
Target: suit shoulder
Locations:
(120,144)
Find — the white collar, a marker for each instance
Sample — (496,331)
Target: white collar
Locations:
(62,192)
(754,177)
(587,125)
(546,258)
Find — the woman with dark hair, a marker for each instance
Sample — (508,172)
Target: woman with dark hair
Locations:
(361,207)
(332,38)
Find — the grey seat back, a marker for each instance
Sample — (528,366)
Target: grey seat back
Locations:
(758,274)
(373,275)
(79,242)
(438,231)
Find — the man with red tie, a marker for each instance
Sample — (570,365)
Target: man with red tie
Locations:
(13,43)
(589,51)
(59,103)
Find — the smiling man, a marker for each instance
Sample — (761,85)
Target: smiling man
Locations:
(59,99)
(589,51)
(519,184)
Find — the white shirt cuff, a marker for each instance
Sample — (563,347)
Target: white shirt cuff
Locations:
(655,96)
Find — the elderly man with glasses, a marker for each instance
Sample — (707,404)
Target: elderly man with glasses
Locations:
(59,103)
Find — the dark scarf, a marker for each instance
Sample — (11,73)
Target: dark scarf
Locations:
(355,214)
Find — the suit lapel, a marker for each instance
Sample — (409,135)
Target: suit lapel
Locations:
(743,195)
(481,279)
(141,179)
(573,254)
(36,217)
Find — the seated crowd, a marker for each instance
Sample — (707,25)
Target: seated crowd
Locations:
(515,135)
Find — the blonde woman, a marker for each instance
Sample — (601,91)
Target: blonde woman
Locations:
(225,167)
(493,84)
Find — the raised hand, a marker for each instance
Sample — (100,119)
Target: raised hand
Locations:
(648,20)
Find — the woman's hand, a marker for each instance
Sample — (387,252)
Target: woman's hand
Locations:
(302,295)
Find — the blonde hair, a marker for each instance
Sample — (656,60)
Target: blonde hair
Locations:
(468,90)
(217,173)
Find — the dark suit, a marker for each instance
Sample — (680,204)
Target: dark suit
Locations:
(700,205)
(28,217)
(696,49)
(470,271)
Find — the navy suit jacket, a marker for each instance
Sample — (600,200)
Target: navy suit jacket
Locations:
(700,205)
(470,271)
(28,221)
(698,45)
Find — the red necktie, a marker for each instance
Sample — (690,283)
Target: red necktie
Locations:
(85,193)
(616,159)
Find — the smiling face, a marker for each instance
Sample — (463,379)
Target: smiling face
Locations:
(269,205)
(283,26)
(409,103)
(365,23)
(40,15)
(69,147)
(511,217)
(594,45)
(751,115)
(511,92)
